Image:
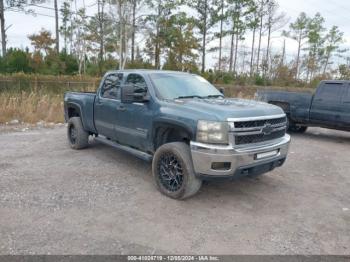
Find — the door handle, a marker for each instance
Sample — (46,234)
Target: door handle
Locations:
(121,108)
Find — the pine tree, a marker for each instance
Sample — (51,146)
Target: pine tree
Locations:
(205,20)
(332,45)
(298,31)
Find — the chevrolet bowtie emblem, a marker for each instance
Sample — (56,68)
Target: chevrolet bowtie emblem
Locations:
(267,129)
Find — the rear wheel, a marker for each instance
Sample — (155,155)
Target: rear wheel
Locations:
(299,129)
(173,171)
(291,127)
(295,128)
(78,138)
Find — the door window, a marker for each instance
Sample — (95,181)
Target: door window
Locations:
(111,86)
(331,91)
(137,80)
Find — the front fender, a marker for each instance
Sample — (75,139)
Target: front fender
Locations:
(186,125)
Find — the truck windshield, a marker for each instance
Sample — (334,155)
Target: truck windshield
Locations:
(172,86)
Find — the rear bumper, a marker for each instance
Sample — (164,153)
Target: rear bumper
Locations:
(216,161)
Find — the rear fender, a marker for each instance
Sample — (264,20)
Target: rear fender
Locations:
(72,106)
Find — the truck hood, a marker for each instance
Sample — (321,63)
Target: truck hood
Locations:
(222,109)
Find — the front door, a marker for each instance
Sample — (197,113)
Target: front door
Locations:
(345,107)
(325,109)
(107,104)
(134,119)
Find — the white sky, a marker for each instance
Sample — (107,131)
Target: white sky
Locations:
(335,12)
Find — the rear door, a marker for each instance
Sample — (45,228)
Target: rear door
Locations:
(326,107)
(106,105)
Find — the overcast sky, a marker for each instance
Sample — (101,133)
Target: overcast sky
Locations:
(335,12)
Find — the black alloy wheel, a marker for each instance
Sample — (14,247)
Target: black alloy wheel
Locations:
(170,172)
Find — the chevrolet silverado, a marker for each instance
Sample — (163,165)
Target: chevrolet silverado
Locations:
(181,123)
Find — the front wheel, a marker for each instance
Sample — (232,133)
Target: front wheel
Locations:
(173,171)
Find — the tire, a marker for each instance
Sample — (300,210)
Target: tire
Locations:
(288,124)
(292,127)
(173,171)
(299,129)
(78,138)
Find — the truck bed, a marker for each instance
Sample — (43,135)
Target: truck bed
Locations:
(297,104)
(287,96)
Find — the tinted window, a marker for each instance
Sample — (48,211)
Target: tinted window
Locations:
(111,86)
(331,92)
(137,80)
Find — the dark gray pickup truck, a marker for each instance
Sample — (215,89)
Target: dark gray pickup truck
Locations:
(329,107)
(183,124)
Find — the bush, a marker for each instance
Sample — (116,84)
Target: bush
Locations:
(15,61)
(261,81)
(227,78)
(71,66)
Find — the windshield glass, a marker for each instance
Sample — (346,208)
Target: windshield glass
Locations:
(172,86)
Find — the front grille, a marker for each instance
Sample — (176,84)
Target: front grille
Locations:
(261,130)
(250,139)
(260,123)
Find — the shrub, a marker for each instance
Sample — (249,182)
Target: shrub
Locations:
(15,60)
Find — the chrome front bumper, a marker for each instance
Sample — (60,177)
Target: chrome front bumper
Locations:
(238,160)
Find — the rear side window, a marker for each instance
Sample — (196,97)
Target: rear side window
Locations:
(111,86)
(330,91)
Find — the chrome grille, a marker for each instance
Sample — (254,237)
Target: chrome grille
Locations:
(259,123)
(258,130)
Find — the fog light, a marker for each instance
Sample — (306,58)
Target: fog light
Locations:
(221,166)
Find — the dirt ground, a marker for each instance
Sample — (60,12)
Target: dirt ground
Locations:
(54,200)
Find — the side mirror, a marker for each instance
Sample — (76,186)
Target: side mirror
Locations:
(222,90)
(133,93)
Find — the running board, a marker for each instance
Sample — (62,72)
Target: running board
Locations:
(133,151)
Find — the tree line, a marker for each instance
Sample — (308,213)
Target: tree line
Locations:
(179,35)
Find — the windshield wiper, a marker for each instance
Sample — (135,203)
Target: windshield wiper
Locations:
(214,96)
(194,96)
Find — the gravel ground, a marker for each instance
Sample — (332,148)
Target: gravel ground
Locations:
(54,200)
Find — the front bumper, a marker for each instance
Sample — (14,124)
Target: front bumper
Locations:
(221,161)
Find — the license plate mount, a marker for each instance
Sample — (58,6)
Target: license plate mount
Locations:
(268,154)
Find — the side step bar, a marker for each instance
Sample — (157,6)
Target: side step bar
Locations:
(130,150)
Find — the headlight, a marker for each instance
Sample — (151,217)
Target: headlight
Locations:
(212,132)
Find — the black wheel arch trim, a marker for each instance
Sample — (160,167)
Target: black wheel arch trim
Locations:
(77,107)
(172,124)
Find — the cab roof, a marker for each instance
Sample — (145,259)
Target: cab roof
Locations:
(147,71)
(335,81)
